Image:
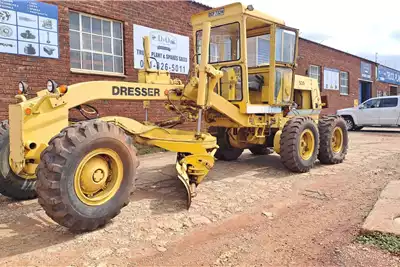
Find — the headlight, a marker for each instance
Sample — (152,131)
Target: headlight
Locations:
(51,86)
(22,88)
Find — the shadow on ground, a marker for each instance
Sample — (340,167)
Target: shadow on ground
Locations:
(168,194)
(24,227)
(29,233)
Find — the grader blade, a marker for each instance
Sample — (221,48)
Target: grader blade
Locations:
(192,169)
(182,176)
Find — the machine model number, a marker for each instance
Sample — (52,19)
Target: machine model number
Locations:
(135,91)
(219,12)
(302,82)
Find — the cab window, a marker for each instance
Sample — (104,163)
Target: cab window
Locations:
(258,48)
(285,46)
(224,43)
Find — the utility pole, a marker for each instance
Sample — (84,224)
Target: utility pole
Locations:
(376,57)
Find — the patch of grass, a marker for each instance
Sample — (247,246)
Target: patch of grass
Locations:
(144,150)
(384,241)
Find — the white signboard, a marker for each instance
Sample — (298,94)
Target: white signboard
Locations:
(169,51)
(331,79)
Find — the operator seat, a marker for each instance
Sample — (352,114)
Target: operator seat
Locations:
(256,82)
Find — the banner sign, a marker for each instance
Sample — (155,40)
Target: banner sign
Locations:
(29,28)
(366,70)
(169,51)
(387,75)
(331,79)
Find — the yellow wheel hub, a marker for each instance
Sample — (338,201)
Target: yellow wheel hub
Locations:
(28,172)
(337,140)
(98,176)
(306,145)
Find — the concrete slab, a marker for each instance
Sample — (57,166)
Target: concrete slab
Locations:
(385,216)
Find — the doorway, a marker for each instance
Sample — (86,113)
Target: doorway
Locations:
(365,91)
(393,90)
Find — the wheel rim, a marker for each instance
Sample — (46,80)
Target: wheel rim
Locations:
(337,139)
(98,177)
(349,124)
(28,172)
(306,145)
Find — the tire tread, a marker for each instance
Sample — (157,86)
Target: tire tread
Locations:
(50,170)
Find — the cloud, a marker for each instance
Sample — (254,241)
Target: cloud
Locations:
(395,35)
(316,37)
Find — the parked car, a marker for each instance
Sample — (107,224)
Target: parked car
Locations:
(379,111)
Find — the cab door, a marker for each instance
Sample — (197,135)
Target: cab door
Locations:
(369,112)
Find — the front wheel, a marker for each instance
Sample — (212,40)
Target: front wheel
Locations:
(299,144)
(86,175)
(11,184)
(334,140)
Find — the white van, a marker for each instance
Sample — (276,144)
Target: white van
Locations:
(379,111)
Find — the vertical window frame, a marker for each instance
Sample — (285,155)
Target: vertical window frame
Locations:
(318,73)
(347,83)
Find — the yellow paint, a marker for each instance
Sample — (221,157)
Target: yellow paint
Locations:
(306,144)
(49,111)
(337,140)
(277,140)
(98,177)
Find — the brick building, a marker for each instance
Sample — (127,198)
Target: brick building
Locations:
(107,29)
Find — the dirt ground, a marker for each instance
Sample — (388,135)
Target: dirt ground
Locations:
(252,212)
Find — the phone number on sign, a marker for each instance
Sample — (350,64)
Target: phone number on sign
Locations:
(165,66)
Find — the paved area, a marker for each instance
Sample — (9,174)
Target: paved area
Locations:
(252,212)
(385,216)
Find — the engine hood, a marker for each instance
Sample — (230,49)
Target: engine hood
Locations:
(346,110)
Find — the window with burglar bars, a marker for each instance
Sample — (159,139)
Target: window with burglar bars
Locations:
(315,72)
(344,83)
(96,44)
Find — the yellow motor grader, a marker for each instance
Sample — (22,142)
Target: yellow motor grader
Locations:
(243,87)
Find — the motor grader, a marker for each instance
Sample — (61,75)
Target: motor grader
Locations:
(243,87)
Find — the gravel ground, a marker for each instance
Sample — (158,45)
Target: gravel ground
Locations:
(251,212)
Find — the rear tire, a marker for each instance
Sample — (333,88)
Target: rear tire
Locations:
(12,185)
(333,140)
(299,144)
(261,150)
(61,164)
(225,151)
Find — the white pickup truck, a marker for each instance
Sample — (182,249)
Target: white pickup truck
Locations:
(379,111)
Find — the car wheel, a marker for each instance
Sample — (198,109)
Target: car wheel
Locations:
(349,123)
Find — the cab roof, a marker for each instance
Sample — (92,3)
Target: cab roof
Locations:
(234,9)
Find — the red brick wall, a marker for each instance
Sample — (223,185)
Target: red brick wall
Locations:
(311,53)
(384,87)
(172,16)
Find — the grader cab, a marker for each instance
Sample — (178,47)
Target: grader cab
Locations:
(243,86)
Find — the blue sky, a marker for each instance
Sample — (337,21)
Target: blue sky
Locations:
(359,27)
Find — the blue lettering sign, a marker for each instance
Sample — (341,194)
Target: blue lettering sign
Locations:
(387,75)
